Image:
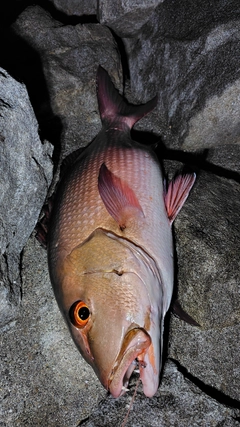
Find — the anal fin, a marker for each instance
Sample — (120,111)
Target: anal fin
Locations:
(177,193)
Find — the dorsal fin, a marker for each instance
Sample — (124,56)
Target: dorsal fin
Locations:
(112,105)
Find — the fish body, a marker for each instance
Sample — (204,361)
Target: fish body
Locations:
(110,249)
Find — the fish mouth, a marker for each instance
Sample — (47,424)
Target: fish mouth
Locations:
(135,345)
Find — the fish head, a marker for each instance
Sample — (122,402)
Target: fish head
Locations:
(111,313)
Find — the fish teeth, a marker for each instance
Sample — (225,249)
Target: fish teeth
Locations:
(125,388)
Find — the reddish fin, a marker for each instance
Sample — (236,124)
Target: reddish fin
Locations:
(177,193)
(113,107)
(43,225)
(118,198)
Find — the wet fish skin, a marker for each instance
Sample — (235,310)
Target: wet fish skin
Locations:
(110,247)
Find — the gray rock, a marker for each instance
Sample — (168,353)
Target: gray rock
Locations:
(76,7)
(70,57)
(207,242)
(45,381)
(225,157)
(177,403)
(126,18)
(25,174)
(194,69)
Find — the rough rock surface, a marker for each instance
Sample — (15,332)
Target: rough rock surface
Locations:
(70,57)
(45,382)
(208,277)
(189,55)
(124,19)
(76,7)
(25,175)
(195,71)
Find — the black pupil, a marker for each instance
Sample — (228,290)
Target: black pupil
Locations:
(83,313)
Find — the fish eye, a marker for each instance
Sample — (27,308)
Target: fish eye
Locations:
(79,314)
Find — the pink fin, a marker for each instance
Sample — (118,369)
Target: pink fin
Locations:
(112,105)
(177,193)
(118,198)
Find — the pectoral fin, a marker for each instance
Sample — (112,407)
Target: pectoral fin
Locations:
(118,198)
(177,193)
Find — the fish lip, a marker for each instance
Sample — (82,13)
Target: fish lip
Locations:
(135,345)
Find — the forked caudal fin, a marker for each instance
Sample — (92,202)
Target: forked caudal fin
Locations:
(113,107)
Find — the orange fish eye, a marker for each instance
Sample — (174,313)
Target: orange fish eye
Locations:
(79,314)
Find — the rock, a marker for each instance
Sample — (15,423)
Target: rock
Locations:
(45,353)
(39,362)
(225,159)
(218,121)
(126,18)
(70,57)
(193,65)
(174,405)
(207,242)
(76,7)
(25,174)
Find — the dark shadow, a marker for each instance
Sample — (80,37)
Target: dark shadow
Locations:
(210,391)
(198,161)
(10,10)
(190,161)
(24,64)
(123,55)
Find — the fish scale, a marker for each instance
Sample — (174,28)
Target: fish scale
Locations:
(110,251)
(84,211)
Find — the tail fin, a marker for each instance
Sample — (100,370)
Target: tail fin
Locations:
(112,105)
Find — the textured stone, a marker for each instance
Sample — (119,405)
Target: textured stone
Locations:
(25,175)
(126,17)
(194,70)
(207,243)
(70,57)
(45,381)
(76,7)
(218,122)
(177,403)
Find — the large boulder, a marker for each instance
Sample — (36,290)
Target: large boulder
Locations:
(70,57)
(25,176)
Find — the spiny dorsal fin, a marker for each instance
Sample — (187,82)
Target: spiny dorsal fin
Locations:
(112,105)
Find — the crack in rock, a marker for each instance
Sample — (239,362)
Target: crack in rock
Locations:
(210,391)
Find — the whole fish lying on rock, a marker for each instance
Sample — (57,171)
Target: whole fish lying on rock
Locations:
(110,249)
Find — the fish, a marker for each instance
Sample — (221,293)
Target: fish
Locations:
(110,247)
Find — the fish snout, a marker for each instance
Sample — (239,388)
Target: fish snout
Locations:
(135,345)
